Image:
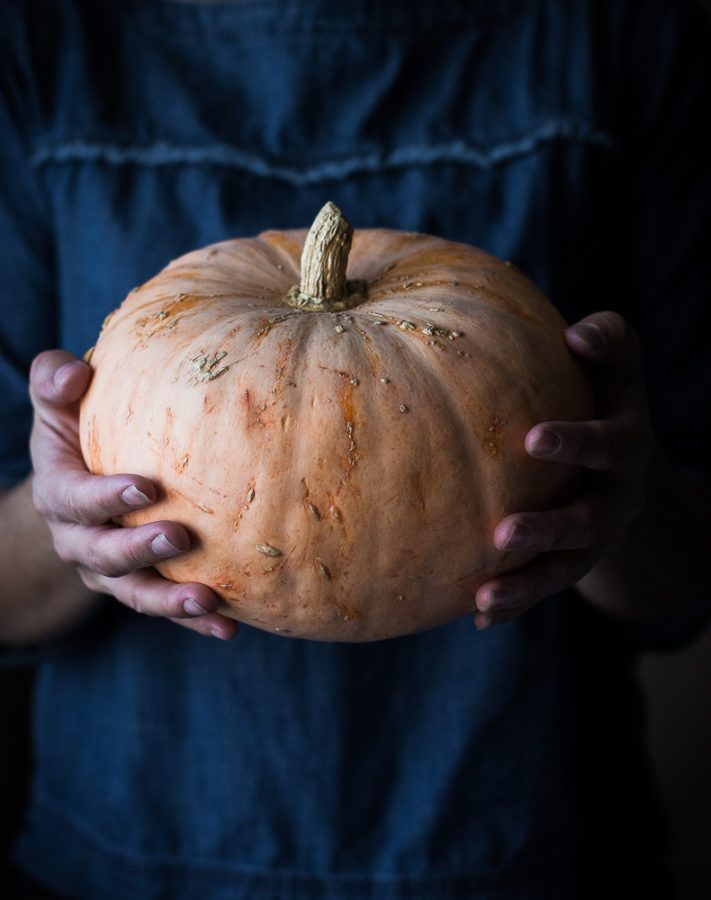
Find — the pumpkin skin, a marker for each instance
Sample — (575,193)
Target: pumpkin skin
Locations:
(340,472)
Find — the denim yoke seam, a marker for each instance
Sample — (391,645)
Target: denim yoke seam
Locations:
(462,152)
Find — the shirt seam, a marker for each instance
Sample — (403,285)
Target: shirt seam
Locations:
(463,152)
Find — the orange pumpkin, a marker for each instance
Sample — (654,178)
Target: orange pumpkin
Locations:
(340,450)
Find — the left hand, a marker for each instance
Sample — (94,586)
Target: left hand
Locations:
(615,449)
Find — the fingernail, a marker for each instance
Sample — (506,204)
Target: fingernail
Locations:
(222,635)
(494,600)
(193,608)
(519,537)
(161,546)
(482,622)
(591,334)
(134,497)
(546,443)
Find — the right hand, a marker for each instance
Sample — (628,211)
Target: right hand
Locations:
(78,508)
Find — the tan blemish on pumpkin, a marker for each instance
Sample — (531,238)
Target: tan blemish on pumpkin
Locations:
(491,438)
(349,415)
(183,303)
(281,365)
(263,328)
(268,550)
(346,612)
(226,586)
(205,509)
(154,323)
(322,570)
(208,365)
(93,448)
(258,419)
(419,491)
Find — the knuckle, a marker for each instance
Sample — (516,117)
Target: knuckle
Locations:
(170,603)
(63,548)
(39,499)
(96,559)
(549,531)
(92,580)
(136,550)
(140,595)
(601,445)
(79,508)
(129,597)
(132,598)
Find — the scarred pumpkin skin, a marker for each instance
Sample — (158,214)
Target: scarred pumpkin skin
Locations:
(340,473)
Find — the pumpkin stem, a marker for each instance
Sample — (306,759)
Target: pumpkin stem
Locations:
(324,260)
(325,255)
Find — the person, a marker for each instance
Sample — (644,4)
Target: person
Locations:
(496,758)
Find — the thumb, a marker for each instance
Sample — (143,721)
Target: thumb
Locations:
(57,378)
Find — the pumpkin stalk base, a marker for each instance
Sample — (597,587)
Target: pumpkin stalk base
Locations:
(354,295)
(324,260)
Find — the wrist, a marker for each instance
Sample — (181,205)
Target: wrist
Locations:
(41,597)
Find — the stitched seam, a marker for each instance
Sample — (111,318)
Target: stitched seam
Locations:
(164,153)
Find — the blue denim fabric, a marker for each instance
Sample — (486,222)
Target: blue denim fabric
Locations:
(504,764)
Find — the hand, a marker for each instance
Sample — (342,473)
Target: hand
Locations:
(78,508)
(615,449)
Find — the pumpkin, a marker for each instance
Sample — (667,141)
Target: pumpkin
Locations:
(340,448)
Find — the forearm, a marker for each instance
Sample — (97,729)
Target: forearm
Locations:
(662,566)
(40,596)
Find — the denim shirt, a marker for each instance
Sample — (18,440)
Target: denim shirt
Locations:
(561,135)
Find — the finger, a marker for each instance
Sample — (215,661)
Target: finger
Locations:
(68,493)
(598,444)
(505,597)
(604,338)
(211,625)
(190,605)
(57,381)
(113,551)
(62,487)
(612,351)
(588,522)
(57,378)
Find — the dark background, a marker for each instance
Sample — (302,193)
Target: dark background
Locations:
(678,688)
